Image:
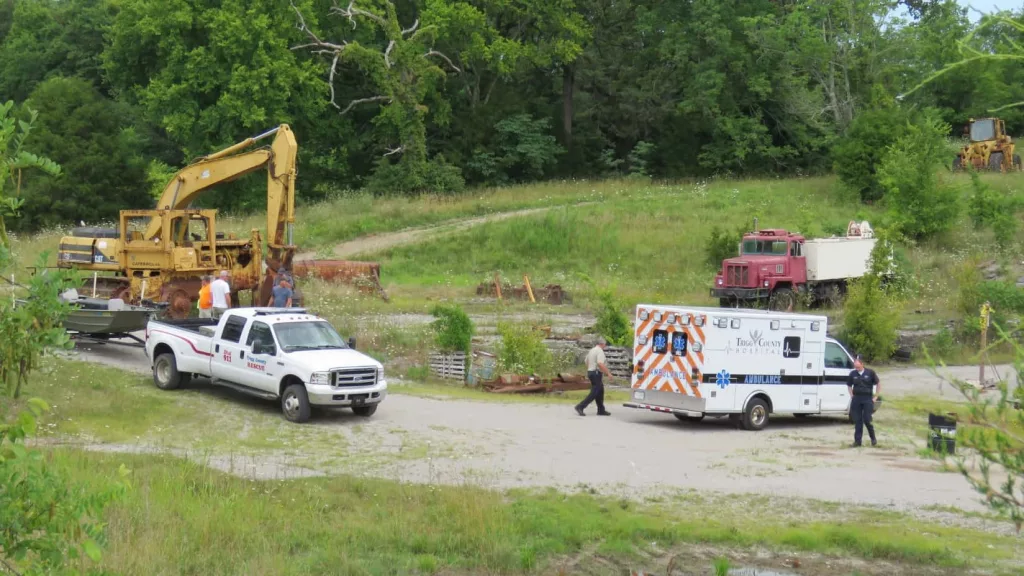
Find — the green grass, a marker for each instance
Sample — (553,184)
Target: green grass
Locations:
(184,518)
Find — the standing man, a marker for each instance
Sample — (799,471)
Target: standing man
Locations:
(281,296)
(220,290)
(205,299)
(595,368)
(864,390)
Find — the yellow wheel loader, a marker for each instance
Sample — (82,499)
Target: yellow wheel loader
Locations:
(988,147)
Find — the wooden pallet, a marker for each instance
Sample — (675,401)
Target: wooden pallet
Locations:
(619,361)
(451,366)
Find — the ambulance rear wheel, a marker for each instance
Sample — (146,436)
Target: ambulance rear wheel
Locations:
(755,417)
(688,418)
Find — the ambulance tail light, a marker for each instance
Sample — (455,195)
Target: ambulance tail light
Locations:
(696,376)
(640,369)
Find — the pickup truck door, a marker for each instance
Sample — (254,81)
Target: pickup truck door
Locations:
(228,361)
(834,395)
(261,370)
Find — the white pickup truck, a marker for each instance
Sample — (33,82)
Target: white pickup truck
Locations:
(281,354)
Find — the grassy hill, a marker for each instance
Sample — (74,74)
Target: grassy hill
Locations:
(646,240)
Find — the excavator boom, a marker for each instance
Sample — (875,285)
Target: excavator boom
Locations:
(228,164)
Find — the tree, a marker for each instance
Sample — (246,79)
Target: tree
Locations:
(858,154)
(214,72)
(50,38)
(93,140)
(14,159)
(920,202)
(404,73)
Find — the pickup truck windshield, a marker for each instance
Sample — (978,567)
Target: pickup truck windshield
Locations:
(295,336)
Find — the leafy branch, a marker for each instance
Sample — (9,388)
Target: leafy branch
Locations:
(994,434)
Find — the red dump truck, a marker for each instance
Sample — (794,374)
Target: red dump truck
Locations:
(775,266)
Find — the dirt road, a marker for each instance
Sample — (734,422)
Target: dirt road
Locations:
(630,453)
(380,242)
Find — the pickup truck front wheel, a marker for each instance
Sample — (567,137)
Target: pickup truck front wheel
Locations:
(165,372)
(295,403)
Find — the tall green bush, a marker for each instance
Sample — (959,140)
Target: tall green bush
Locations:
(722,244)
(921,204)
(522,350)
(870,319)
(453,330)
(612,323)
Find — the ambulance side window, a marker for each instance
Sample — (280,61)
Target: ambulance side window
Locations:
(835,357)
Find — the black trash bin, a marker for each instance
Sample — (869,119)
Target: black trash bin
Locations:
(943,433)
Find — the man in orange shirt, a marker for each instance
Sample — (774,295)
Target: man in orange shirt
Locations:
(205,299)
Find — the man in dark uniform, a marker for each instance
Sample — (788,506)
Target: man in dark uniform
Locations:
(864,390)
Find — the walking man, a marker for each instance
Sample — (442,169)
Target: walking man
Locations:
(864,390)
(205,299)
(595,370)
(281,296)
(220,290)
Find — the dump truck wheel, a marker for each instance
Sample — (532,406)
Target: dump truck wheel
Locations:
(995,162)
(1016,162)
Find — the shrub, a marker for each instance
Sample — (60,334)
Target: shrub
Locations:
(921,205)
(989,209)
(639,158)
(858,154)
(870,319)
(612,323)
(522,350)
(453,330)
(723,244)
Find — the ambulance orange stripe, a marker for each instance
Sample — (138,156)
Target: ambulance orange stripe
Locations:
(644,327)
(659,365)
(700,332)
(685,366)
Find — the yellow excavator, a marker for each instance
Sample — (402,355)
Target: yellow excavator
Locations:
(162,254)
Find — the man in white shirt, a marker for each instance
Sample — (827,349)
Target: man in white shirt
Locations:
(220,290)
(595,368)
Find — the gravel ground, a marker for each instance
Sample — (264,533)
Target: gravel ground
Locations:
(631,453)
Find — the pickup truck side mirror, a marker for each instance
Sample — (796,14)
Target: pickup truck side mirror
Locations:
(352,342)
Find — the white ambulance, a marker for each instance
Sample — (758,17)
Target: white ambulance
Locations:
(746,364)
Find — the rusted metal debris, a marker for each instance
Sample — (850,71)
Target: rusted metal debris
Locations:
(365,276)
(552,293)
(520,384)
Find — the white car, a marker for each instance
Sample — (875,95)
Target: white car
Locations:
(281,354)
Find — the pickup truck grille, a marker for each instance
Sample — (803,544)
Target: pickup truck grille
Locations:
(354,377)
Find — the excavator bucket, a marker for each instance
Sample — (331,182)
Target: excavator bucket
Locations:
(364,275)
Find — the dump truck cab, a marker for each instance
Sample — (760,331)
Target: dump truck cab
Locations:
(770,262)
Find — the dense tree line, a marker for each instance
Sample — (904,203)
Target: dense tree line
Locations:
(405,96)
